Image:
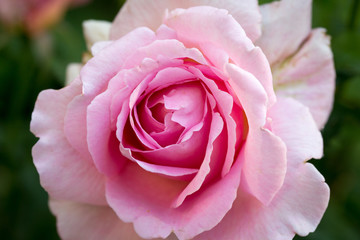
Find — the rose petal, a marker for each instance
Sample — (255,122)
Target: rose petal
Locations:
(98,46)
(168,49)
(285,25)
(101,140)
(155,217)
(297,208)
(309,76)
(207,208)
(265,154)
(217,56)
(199,25)
(95,76)
(83,221)
(302,138)
(101,125)
(127,191)
(225,105)
(174,155)
(72,72)
(187,101)
(96,31)
(114,103)
(64,173)
(136,13)
(303,198)
(176,172)
(187,153)
(176,75)
(169,135)
(216,128)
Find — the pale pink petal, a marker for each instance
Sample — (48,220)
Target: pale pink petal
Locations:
(296,208)
(292,122)
(285,25)
(264,164)
(101,139)
(64,173)
(127,192)
(198,25)
(102,115)
(309,76)
(208,208)
(174,172)
(217,126)
(75,124)
(78,221)
(155,217)
(164,32)
(164,49)
(225,105)
(72,72)
(137,13)
(170,76)
(265,154)
(98,46)
(303,198)
(96,31)
(215,55)
(95,76)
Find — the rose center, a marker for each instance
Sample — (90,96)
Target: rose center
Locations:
(172,111)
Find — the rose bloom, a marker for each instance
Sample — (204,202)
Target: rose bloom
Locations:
(191,120)
(34,15)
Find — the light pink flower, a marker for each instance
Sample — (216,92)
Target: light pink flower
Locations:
(34,15)
(174,130)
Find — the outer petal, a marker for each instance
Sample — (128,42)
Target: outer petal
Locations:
(100,69)
(72,72)
(155,217)
(96,31)
(303,198)
(285,25)
(77,221)
(64,173)
(137,13)
(309,76)
(198,25)
(297,208)
(264,158)
(95,75)
(292,121)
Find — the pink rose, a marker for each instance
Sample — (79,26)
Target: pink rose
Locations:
(174,130)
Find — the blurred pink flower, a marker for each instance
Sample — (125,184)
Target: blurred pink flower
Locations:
(34,15)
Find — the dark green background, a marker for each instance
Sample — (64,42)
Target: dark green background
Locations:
(28,65)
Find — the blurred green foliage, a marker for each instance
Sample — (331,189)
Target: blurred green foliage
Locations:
(31,64)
